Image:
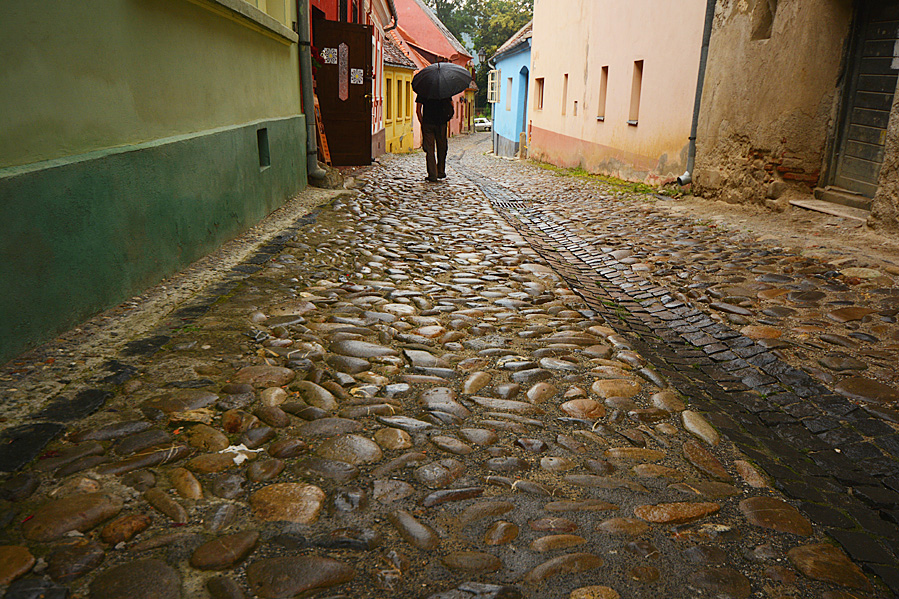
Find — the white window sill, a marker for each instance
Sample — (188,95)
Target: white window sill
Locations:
(248,15)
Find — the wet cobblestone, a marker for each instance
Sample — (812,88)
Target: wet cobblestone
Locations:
(492,387)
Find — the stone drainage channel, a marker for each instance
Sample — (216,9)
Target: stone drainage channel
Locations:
(812,442)
(400,398)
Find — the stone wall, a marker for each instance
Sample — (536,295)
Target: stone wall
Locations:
(885,208)
(771,97)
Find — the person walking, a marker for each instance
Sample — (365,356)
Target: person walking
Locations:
(434,115)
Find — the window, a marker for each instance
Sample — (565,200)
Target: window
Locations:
(400,112)
(575,108)
(636,88)
(389,95)
(265,157)
(538,93)
(509,93)
(408,99)
(493,87)
(565,94)
(603,88)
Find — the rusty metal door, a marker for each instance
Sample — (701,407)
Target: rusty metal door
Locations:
(873,77)
(343,84)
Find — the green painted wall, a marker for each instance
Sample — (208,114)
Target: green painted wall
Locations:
(88,75)
(85,233)
(128,149)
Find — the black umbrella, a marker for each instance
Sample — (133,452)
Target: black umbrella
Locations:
(441,80)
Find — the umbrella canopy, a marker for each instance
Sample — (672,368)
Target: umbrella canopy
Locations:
(441,80)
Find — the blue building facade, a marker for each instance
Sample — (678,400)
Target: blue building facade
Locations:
(510,110)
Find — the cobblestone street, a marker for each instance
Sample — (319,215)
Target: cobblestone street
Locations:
(509,384)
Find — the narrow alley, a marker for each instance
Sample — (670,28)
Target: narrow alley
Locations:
(511,384)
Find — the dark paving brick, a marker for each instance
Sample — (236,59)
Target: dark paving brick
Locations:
(840,437)
(878,497)
(802,410)
(145,347)
(247,268)
(776,418)
(21,444)
(888,443)
(821,424)
(888,574)
(870,427)
(798,436)
(861,451)
(799,490)
(835,406)
(119,373)
(871,521)
(825,516)
(862,547)
(85,403)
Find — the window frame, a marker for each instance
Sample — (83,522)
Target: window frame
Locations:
(492,86)
(636,93)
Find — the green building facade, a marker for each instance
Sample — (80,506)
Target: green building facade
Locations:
(137,136)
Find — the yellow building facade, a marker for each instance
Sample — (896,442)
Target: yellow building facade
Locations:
(399,101)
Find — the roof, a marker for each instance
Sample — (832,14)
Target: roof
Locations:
(394,56)
(417,59)
(419,25)
(518,39)
(446,32)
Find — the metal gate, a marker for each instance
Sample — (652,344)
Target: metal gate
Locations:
(874,70)
(343,84)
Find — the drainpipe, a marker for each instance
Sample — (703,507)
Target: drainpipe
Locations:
(396,19)
(687,177)
(313,170)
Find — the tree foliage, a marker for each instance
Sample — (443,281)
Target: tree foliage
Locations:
(486,23)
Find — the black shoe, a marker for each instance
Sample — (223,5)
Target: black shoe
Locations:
(441,176)
(430,180)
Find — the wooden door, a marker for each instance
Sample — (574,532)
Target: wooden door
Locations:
(873,77)
(343,84)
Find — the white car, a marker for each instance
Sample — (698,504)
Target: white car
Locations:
(482,124)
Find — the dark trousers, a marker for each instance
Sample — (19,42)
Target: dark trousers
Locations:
(433,142)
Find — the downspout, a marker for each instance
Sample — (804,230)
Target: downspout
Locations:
(493,134)
(396,19)
(687,177)
(313,170)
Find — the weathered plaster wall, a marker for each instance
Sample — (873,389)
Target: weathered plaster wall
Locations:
(579,37)
(770,105)
(885,208)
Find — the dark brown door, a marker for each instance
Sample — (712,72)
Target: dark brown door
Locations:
(343,85)
(875,67)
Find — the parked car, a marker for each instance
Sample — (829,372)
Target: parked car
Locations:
(482,124)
